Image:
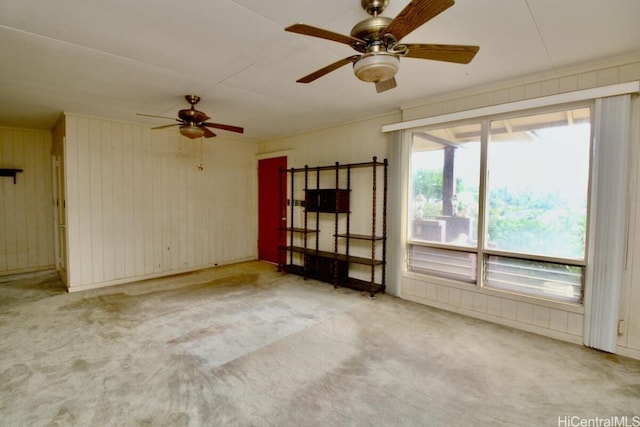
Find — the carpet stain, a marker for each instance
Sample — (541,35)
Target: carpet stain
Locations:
(198,334)
(113,304)
(64,417)
(80,365)
(632,390)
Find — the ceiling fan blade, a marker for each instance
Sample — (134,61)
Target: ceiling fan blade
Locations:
(167,126)
(414,15)
(223,127)
(308,30)
(459,54)
(208,133)
(386,85)
(326,70)
(157,117)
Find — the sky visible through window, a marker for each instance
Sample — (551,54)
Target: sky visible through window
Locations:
(526,164)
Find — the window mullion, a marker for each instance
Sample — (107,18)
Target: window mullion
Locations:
(482,201)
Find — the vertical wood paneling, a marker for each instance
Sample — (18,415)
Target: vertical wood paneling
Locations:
(9,207)
(95,197)
(4,205)
(107,205)
(119,195)
(142,207)
(44,203)
(140,198)
(20,206)
(84,199)
(26,211)
(155,151)
(204,211)
(31,203)
(128,202)
(147,207)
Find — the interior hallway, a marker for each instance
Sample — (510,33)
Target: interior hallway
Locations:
(245,345)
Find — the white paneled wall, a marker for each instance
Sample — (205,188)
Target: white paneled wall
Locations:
(350,143)
(541,317)
(360,141)
(26,208)
(138,205)
(353,143)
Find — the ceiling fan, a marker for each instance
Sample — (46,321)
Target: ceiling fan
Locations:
(193,123)
(377,39)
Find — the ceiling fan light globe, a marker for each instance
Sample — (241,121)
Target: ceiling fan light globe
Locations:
(375,68)
(192,132)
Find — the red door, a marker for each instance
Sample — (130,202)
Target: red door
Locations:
(271,207)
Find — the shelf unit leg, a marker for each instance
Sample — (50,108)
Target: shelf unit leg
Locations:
(384,227)
(335,231)
(305,257)
(373,224)
(281,253)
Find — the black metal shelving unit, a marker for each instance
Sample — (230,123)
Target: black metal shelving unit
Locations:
(300,256)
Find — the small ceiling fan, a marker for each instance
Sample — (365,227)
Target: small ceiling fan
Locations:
(193,123)
(377,39)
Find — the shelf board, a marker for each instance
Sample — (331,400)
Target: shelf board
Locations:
(360,236)
(308,251)
(328,212)
(300,230)
(359,260)
(361,285)
(299,270)
(294,249)
(331,255)
(295,269)
(11,173)
(339,166)
(349,282)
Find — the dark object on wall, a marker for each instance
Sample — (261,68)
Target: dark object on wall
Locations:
(10,173)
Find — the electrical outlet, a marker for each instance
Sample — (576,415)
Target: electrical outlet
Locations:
(620,327)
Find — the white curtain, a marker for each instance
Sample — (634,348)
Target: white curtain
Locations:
(609,222)
(395,211)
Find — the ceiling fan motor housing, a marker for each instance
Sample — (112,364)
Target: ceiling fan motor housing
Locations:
(374,7)
(376,65)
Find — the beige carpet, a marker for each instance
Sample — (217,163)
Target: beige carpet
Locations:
(244,345)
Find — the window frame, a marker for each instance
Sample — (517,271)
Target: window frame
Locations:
(482,253)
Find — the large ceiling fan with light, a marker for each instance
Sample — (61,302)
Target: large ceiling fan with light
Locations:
(377,41)
(193,123)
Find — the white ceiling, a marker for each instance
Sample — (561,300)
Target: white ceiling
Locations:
(116,58)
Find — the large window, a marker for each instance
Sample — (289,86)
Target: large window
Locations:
(502,202)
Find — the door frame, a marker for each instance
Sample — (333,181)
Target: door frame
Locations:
(265,156)
(60,216)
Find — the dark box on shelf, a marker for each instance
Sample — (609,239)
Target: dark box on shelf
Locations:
(327,200)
